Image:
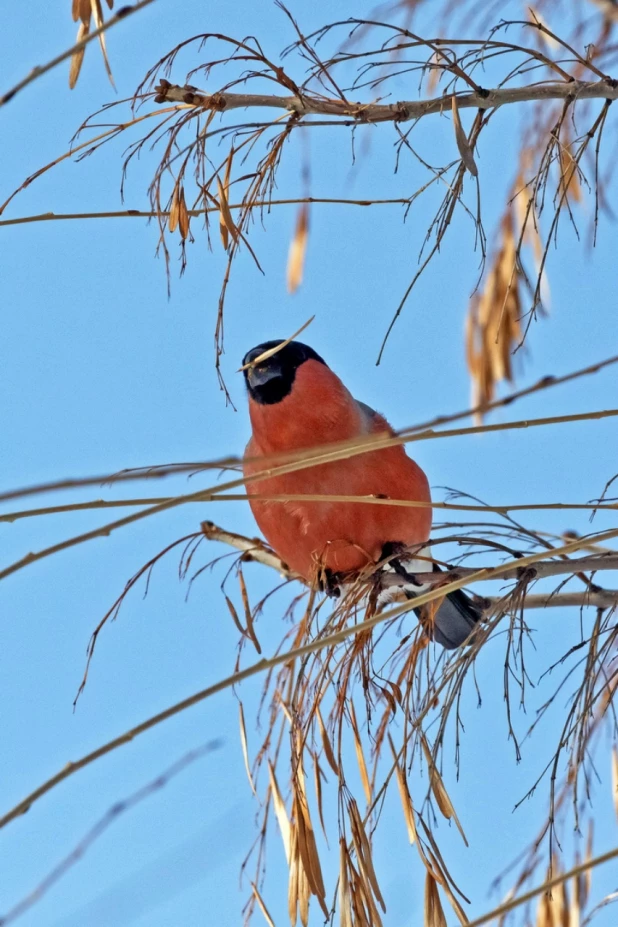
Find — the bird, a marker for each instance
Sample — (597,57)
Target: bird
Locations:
(296,402)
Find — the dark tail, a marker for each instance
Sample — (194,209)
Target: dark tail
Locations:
(454,621)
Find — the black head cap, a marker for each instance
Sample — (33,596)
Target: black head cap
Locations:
(272,380)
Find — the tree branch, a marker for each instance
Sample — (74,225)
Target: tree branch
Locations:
(255,549)
(313,646)
(403,111)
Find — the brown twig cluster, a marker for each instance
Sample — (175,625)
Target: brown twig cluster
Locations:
(355,699)
(566,82)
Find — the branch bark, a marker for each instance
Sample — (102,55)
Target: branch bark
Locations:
(402,111)
(255,549)
(312,646)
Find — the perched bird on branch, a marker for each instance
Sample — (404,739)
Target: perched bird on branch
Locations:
(296,402)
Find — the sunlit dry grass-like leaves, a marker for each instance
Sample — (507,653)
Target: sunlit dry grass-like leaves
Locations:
(493,324)
(201,157)
(84,11)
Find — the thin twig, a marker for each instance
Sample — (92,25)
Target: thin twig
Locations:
(123,13)
(150,214)
(93,834)
(545,887)
(280,658)
(326,454)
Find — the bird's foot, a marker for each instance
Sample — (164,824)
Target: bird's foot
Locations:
(392,551)
(330,583)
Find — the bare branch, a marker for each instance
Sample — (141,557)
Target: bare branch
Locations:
(545,887)
(278,659)
(402,111)
(96,831)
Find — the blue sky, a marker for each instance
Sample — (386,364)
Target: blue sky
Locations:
(101,371)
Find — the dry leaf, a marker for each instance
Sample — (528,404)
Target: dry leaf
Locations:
(294,864)
(245,751)
(235,617)
(345,905)
(462,140)
(97,13)
(183,216)
(434,914)
(437,787)
(298,248)
(317,780)
(406,802)
(326,744)
(226,222)
(78,57)
(280,812)
(248,613)
(493,324)
(84,11)
(363,851)
(362,766)
(172,222)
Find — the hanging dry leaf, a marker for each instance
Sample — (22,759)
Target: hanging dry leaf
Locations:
(362,766)
(97,13)
(78,57)
(317,781)
(303,840)
(227,226)
(434,914)
(406,803)
(493,326)
(462,140)
(235,617)
(298,247)
(328,750)
(183,215)
(248,612)
(84,11)
(345,901)
(363,851)
(280,812)
(172,222)
(245,751)
(437,787)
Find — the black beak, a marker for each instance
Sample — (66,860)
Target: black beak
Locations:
(258,376)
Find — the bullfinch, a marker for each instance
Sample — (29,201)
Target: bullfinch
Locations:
(296,401)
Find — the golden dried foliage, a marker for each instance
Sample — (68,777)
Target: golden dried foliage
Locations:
(85,11)
(280,812)
(360,756)
(433,912)
(179,215)
(298,248)
(493,324)
(305,877)
(437,787)
(227,226)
